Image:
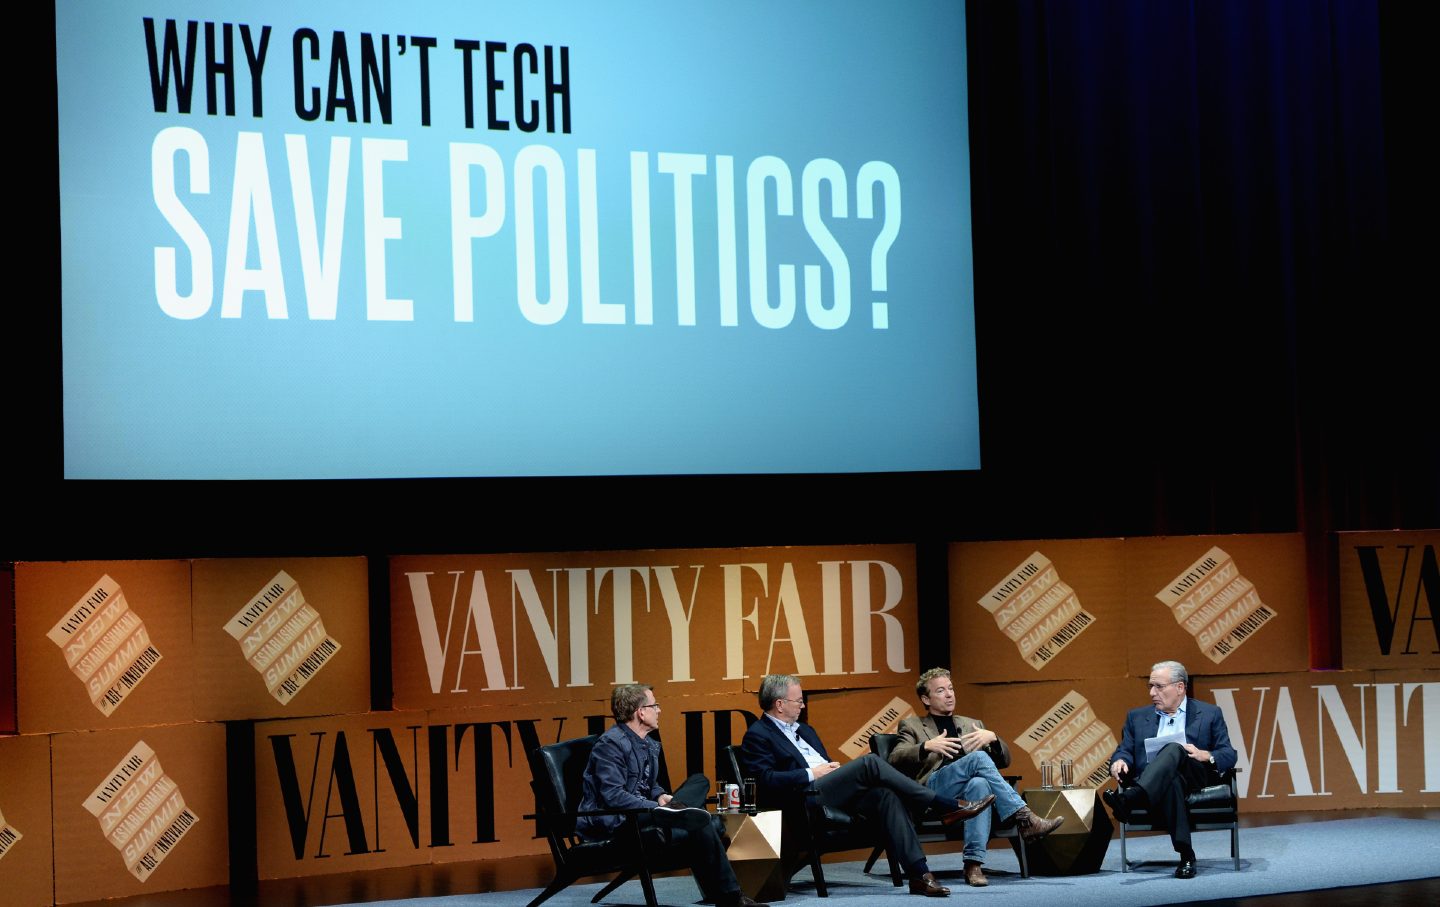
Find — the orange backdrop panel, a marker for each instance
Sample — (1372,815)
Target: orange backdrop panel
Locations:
(1242,599)
(1389,598)
(87,865)
(845,719)
(26,869)
(1334,740)
(7,649)
(326,799)
(1413,773)
(227,686)
(497,629)
(1051,720)
(51,697)
(1036,610)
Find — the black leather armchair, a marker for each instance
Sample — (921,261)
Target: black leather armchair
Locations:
(812,829)
(1213,807)
(556,773)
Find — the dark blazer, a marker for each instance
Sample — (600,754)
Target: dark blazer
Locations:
(780,772)
(1204,727)
(622,773)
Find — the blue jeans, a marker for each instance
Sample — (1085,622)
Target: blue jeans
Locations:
(974,777)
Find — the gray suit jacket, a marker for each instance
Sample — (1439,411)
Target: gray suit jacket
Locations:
(910,756)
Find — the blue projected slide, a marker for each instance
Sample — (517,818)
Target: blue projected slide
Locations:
(454,238)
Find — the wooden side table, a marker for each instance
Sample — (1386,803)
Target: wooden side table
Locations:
(1076,847)
(754,853)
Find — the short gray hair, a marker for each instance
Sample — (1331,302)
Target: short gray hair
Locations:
(626,699)
(1176,669)
(773,687)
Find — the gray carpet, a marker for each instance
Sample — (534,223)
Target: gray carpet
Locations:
(1274,859)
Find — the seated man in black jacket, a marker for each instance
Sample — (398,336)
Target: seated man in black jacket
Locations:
(786,757)
(622,774)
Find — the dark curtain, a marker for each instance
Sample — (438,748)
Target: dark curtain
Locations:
(1198,295)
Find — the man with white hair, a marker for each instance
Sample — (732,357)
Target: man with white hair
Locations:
(1194,759)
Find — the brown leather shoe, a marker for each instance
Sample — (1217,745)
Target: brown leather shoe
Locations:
(973,876)
(967,809)
(927,886)
(1032,827)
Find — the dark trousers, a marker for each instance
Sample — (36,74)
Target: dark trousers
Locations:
(871,788)
(1166,780)
(703,848)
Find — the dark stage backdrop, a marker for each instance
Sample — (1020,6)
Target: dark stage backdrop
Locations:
(1202,264)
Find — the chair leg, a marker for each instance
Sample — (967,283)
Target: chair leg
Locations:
(649,885)
(815,871)
(1024,857)
(554,888)
(620,879)
(1235,844)
(896,876)
(643,866)
(1124,860)
(818,874)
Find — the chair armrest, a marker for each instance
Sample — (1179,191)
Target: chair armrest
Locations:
(545,816)
(636,811)
(1214,795)
(828,815)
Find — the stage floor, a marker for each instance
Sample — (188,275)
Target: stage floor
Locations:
(533,872)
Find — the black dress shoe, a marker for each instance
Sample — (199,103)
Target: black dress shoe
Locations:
(1119,805)
(1186,869)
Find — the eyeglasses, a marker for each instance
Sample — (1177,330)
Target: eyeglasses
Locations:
(1161,686)
(793,701)
(649,705)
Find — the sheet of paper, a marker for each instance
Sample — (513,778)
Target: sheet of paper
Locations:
(1153,744)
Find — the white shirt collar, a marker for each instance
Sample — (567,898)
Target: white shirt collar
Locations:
(791,727)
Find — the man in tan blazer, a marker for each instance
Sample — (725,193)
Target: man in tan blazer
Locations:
(958,756)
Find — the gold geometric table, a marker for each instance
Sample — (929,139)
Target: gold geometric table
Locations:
(754,853)
(1076,847)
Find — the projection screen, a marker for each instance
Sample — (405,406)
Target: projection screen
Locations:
(353,240)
